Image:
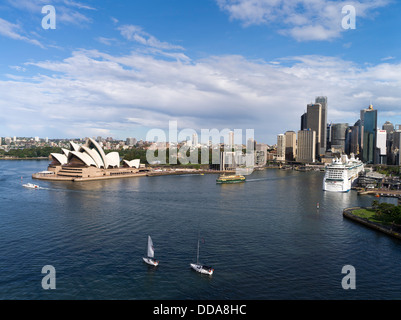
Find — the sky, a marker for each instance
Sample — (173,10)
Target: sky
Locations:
(122,68)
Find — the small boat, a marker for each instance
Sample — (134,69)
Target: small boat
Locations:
(234,178)
(149,259)
(201,268)
(30,185)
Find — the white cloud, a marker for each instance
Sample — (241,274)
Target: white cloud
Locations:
(303,20)
(135,33)
(14,31)
(92,90)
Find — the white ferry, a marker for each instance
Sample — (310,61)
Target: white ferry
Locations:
(341,174)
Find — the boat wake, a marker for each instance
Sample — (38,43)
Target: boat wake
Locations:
(260,179)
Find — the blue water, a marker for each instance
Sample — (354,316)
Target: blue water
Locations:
(265,238)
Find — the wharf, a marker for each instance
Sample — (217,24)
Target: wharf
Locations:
(53,177)
(381,193)
(181,172)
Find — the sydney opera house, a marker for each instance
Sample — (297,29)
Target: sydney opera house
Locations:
(88,162)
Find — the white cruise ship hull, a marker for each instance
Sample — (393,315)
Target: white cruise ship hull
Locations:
(338,185)
(342,176)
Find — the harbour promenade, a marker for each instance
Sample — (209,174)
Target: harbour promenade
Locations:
(381,192)
(51,176)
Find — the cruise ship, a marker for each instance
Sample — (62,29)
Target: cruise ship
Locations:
(342,174)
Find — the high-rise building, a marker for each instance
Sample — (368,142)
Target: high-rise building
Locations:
(323,102)
(328,136)
(314,123)
(368,134)
(351,140)
(338,136)
(281,147)
(304,124)
(306,149)
(388,126)
(381,154)
(231,139)
(290,145)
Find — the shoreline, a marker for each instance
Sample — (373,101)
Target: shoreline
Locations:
(53,177)
(34,158)
(347,213)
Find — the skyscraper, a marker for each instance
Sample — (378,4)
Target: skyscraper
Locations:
(351,142)
(303,121)
(381,156)
(290,145)
(323,138)
(368,134)
(306,149)
(231,139)
(338,136)
(281,147)
(314,123)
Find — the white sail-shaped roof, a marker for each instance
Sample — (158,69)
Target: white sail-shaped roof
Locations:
(74,146)
(84,157)
(92,144)
(94,155)
(113,159)
(91,154)
(133,163)
(60,158)
(65,151)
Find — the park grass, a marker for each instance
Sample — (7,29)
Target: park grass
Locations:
(368,214)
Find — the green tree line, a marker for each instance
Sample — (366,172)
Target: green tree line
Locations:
(387,212)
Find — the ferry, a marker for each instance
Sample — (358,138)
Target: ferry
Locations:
(342,174)
(235,178)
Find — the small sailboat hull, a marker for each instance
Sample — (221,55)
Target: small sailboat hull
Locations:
(202,269)
(151,262)
(150,254)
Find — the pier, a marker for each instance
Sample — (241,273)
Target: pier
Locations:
(381,192)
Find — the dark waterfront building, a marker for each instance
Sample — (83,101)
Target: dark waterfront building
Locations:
(369,134)
(328,136)
(323,135)
(314,123)
(351,140)
(338,136)
(304,124)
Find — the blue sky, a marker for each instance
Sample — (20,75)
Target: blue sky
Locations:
(121,68)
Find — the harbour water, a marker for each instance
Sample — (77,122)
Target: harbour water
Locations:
(265,238)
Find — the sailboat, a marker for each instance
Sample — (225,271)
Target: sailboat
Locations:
(149,259)
(201,268)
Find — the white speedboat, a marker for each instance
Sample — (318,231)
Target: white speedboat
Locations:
(201,268)
(30,185)
(149,259)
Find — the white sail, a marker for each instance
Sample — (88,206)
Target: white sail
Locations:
(151,251)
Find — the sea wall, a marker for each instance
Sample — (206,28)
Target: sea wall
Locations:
(347,213)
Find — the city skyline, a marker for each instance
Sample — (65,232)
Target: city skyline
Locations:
(122,69)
